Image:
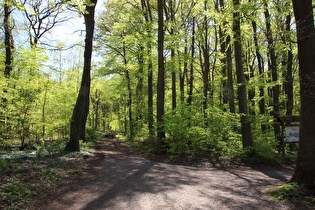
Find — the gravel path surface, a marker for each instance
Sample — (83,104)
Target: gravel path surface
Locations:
(121,180)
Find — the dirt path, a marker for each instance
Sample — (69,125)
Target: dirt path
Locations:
(121,180)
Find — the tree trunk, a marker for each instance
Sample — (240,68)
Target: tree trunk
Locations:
(225,44)
(274,74)
(150,95)
(139,96)
(161,78)
(191,78)
(148,18)
(206,69)
(129,104)
(262,109)
(304,173)
(129,98)
(9,46)
(8,40)
(174,96)
(183,75)
(172,34)
(229,59)
(81,109)
(247,139)
(288,84)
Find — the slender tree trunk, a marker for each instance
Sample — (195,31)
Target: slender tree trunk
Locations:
(174,95)
(148,18)
(251,91)
(206,69)
(191,78)
(288,84)
(129,98)
(150,95)
(226,49)
(225,99)
(242,99)
(129,104)
(231,95)
(81,109)
(9,47)
(44,110)
(262,108)
(274,74)
(161,78)
(8,40)
(172,34)
(304,173)
(183,75)
(96,108)
(139,97)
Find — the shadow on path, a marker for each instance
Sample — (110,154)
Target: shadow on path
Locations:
(121,180)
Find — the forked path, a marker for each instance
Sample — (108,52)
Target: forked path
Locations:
(122,180)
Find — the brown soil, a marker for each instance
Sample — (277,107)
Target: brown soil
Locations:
(119,179)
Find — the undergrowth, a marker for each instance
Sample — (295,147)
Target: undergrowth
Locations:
(295,194)
(28,174)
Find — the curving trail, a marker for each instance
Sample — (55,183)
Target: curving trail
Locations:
(122,180)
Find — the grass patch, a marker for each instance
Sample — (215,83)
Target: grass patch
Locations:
(295,194)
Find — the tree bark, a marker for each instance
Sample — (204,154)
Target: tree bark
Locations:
(172,34)
(8,40)
(191,78)
(288,84)
(262,109)
(148,18)
(81,109)
(247,139)
(229,59)
(206,69)
(227,69)
(129,98)
(183,75)
(304,173)
(161,78)
(274,74)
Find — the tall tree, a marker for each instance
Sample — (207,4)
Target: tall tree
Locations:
(81,109)
(170,12)
(305,168)
(161,77)
(247,138)
(205,51)
(129,100)
(8,39)
(146,7)
(259,60)
(42,16)
(191,77)
(274,73)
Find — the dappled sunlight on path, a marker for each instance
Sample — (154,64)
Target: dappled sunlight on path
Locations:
(121,180)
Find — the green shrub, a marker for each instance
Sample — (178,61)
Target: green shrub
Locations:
(6,165)
(91,135)
(294,193)
(51,147)
(15,194)
(187,135)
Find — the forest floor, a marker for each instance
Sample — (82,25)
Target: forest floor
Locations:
(119,179)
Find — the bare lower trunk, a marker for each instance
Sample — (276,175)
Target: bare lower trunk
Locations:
(161,79)
(242,98)
(305,168)
(81,109)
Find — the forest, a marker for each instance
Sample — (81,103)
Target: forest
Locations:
(229,71)
(185,78)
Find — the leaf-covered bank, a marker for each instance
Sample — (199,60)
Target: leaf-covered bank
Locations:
(27,175)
